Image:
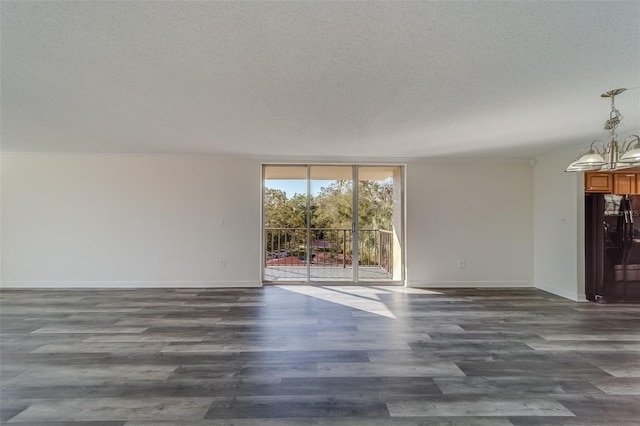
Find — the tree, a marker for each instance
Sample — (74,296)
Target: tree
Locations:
(280,212)
(283,212)
(332,208)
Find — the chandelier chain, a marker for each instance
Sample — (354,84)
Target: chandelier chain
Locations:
(614,117)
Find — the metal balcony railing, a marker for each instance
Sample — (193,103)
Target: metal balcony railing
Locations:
(328,247)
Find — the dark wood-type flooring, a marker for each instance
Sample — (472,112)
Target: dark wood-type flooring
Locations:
(301,355)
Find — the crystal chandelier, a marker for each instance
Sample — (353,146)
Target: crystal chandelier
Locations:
(609,156)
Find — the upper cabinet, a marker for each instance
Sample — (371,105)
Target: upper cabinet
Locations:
(621,182)
(598,182)
(624,183)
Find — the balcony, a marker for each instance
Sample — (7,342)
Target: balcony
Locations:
(329,256)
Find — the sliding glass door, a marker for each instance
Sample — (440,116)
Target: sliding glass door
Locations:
(380,221)
(332,223)
(331,218)
(285,222)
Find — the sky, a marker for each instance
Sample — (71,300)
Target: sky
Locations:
(299,186)
(293,186)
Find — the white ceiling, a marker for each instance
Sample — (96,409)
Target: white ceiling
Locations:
(316,79)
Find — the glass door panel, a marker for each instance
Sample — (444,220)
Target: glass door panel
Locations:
(331,239)
(379,223)
(285,206)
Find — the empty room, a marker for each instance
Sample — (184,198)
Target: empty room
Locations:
(319,213)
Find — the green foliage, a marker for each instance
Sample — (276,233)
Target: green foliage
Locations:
(280,212)
(332,208)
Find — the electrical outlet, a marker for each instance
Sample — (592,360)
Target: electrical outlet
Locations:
(223,263)
(461,263)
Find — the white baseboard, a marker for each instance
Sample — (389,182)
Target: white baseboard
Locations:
(128,284)
(469,284)
(562,293)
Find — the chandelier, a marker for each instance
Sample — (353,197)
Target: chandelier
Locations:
(609,155)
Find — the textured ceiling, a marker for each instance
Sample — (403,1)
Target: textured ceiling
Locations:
(315,79)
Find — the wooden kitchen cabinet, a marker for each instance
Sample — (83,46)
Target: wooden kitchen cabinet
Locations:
(598,182)
(619,182)
(625,183)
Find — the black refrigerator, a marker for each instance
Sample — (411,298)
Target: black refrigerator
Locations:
(612,252)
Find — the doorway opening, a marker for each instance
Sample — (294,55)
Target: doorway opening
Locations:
(333,223)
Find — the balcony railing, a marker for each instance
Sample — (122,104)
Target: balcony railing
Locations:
(328,247)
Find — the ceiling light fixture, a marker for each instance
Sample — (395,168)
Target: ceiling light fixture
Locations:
(609,156)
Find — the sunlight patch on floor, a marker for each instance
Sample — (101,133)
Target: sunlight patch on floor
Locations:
(361,298)
(409,290)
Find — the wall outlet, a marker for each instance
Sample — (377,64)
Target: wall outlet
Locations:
(461,263)
(223,263)
(221,221)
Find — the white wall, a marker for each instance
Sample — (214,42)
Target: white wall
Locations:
(480,212)
(153,220)
(559,226)
(129,220)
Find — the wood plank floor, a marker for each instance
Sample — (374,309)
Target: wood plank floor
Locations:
(301,355)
